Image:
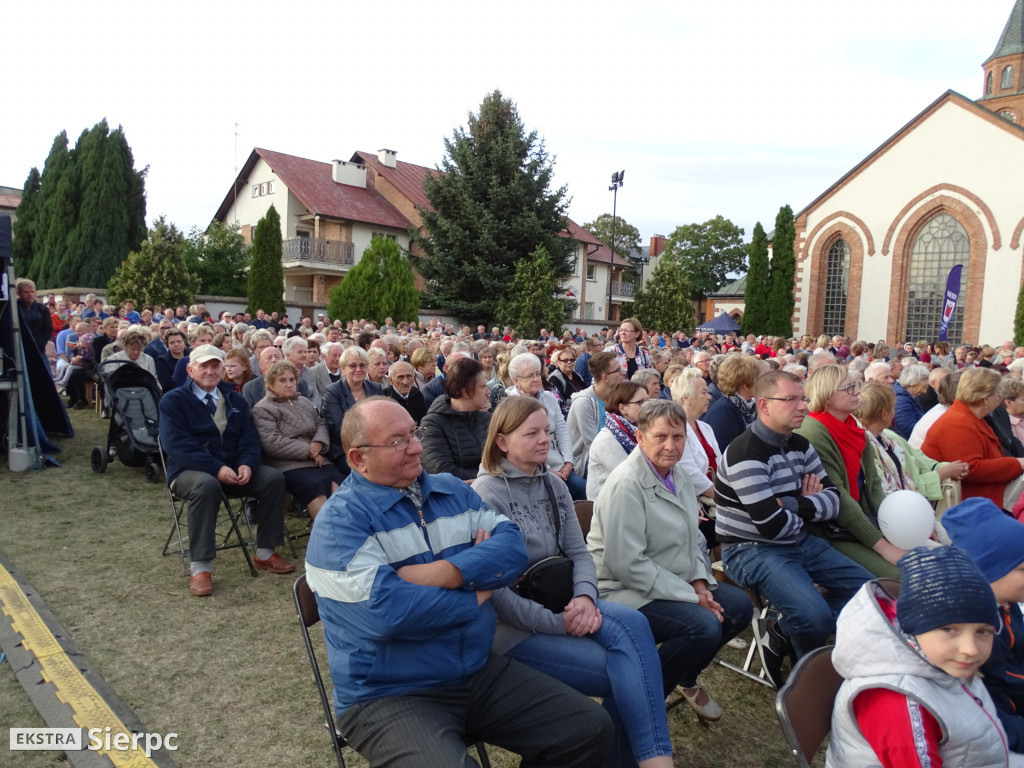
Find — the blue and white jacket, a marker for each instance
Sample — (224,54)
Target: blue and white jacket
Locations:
(385,636)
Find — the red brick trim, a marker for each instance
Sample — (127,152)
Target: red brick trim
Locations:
(1015,238)
(828,220)
(896,324)
(816,294)
(993,227)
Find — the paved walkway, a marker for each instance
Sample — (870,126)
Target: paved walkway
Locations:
(59,680)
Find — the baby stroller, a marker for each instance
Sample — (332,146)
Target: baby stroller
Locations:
(132,395)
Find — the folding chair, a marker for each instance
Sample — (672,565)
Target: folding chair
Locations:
(178,508)
(309,616)
(804,704)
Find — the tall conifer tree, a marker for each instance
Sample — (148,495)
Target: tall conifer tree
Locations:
(27,227)
(782,274)
(492,207)
(756,311)
(265,287)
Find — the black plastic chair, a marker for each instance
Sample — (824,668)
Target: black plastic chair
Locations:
(804,704)
(309,616)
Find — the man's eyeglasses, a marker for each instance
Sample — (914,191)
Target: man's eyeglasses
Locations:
(790,400)
(356,366)
(401,443)
(851,389)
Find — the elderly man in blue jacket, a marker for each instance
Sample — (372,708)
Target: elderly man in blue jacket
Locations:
(403,565)
(213,448)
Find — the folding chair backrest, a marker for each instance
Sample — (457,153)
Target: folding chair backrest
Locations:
(584,513)
(309,615)
(804,704)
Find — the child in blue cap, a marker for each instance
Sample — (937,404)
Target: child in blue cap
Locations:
(910,653)
(995,542)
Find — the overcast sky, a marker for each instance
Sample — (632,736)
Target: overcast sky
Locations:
(731,108)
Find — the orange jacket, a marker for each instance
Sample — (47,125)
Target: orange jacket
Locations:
(960,435)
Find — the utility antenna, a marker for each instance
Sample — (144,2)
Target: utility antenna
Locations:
(235,183)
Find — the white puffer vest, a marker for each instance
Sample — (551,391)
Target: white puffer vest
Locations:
(870,653)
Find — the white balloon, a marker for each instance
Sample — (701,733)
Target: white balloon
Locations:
(906,518)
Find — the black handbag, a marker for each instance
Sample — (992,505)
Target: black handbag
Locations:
(549,581)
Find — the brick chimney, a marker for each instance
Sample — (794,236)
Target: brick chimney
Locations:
(657,245)
(388,157)
(352,174)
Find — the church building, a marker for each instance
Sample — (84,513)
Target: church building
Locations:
(874,250)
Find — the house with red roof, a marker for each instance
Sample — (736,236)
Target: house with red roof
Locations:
(330,211)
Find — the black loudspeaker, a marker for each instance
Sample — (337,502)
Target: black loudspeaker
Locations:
(5,241)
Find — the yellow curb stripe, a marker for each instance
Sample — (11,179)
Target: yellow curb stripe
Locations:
(90,710)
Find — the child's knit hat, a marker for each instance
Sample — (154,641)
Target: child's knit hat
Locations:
(993,539)
(942,586)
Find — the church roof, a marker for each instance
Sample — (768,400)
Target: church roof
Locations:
(735,288)
(1012,41)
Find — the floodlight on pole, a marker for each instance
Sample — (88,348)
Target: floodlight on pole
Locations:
(617,178)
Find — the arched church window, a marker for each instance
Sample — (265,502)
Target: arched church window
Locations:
(837,286)
(1007,79)
(1009,115)
(942,244)
(988,84)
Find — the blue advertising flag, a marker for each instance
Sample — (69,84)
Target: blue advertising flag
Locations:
(949,305)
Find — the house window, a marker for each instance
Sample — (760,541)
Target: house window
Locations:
(255,190)
(942,244)
(988,85)
(588,310)
(837,284)
(271,186)
(1007,78)
(591,272)
(388,235)
(263,188)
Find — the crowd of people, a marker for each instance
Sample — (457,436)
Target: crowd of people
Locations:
(442,466)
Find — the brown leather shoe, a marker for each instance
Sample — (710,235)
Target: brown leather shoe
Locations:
(275,564)
(201,584)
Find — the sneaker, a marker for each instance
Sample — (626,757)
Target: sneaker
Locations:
(772,647)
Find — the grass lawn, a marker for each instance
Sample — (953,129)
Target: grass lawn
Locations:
(228,673)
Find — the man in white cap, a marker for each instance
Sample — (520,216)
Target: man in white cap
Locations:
(212,447)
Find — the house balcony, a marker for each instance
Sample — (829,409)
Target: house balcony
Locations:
(622,290)
(307,254)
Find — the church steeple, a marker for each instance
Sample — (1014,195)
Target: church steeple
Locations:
(1004,70)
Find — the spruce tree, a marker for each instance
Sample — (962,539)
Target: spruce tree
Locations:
(756,310)
(491,207)
(782,274)
(157,273)
(89,211)
(26,227)
(265,286)
(665,303)
(381,285)
(529,302)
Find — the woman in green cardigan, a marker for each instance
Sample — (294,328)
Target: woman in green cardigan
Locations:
(850,462)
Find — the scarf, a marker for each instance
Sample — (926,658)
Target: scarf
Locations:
(747,408)
(851,440)
(890,460)
(623,430)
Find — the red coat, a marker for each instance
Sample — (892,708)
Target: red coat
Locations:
(960,435)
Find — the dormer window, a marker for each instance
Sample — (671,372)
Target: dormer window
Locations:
(1007,79)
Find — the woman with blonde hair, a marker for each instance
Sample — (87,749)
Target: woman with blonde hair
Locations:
(731,414)
(843,448)
(600,649)
(962,433)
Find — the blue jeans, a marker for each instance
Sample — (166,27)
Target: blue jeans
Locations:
(577,486)
(691,635)
(785,574)
(619,663)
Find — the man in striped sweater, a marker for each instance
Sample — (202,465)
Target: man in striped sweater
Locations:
(770,484)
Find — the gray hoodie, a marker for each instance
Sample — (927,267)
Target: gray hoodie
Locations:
(524,499)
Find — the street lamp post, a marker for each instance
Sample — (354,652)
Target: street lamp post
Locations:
(617,178)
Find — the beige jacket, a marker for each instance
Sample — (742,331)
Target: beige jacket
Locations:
(286,428)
